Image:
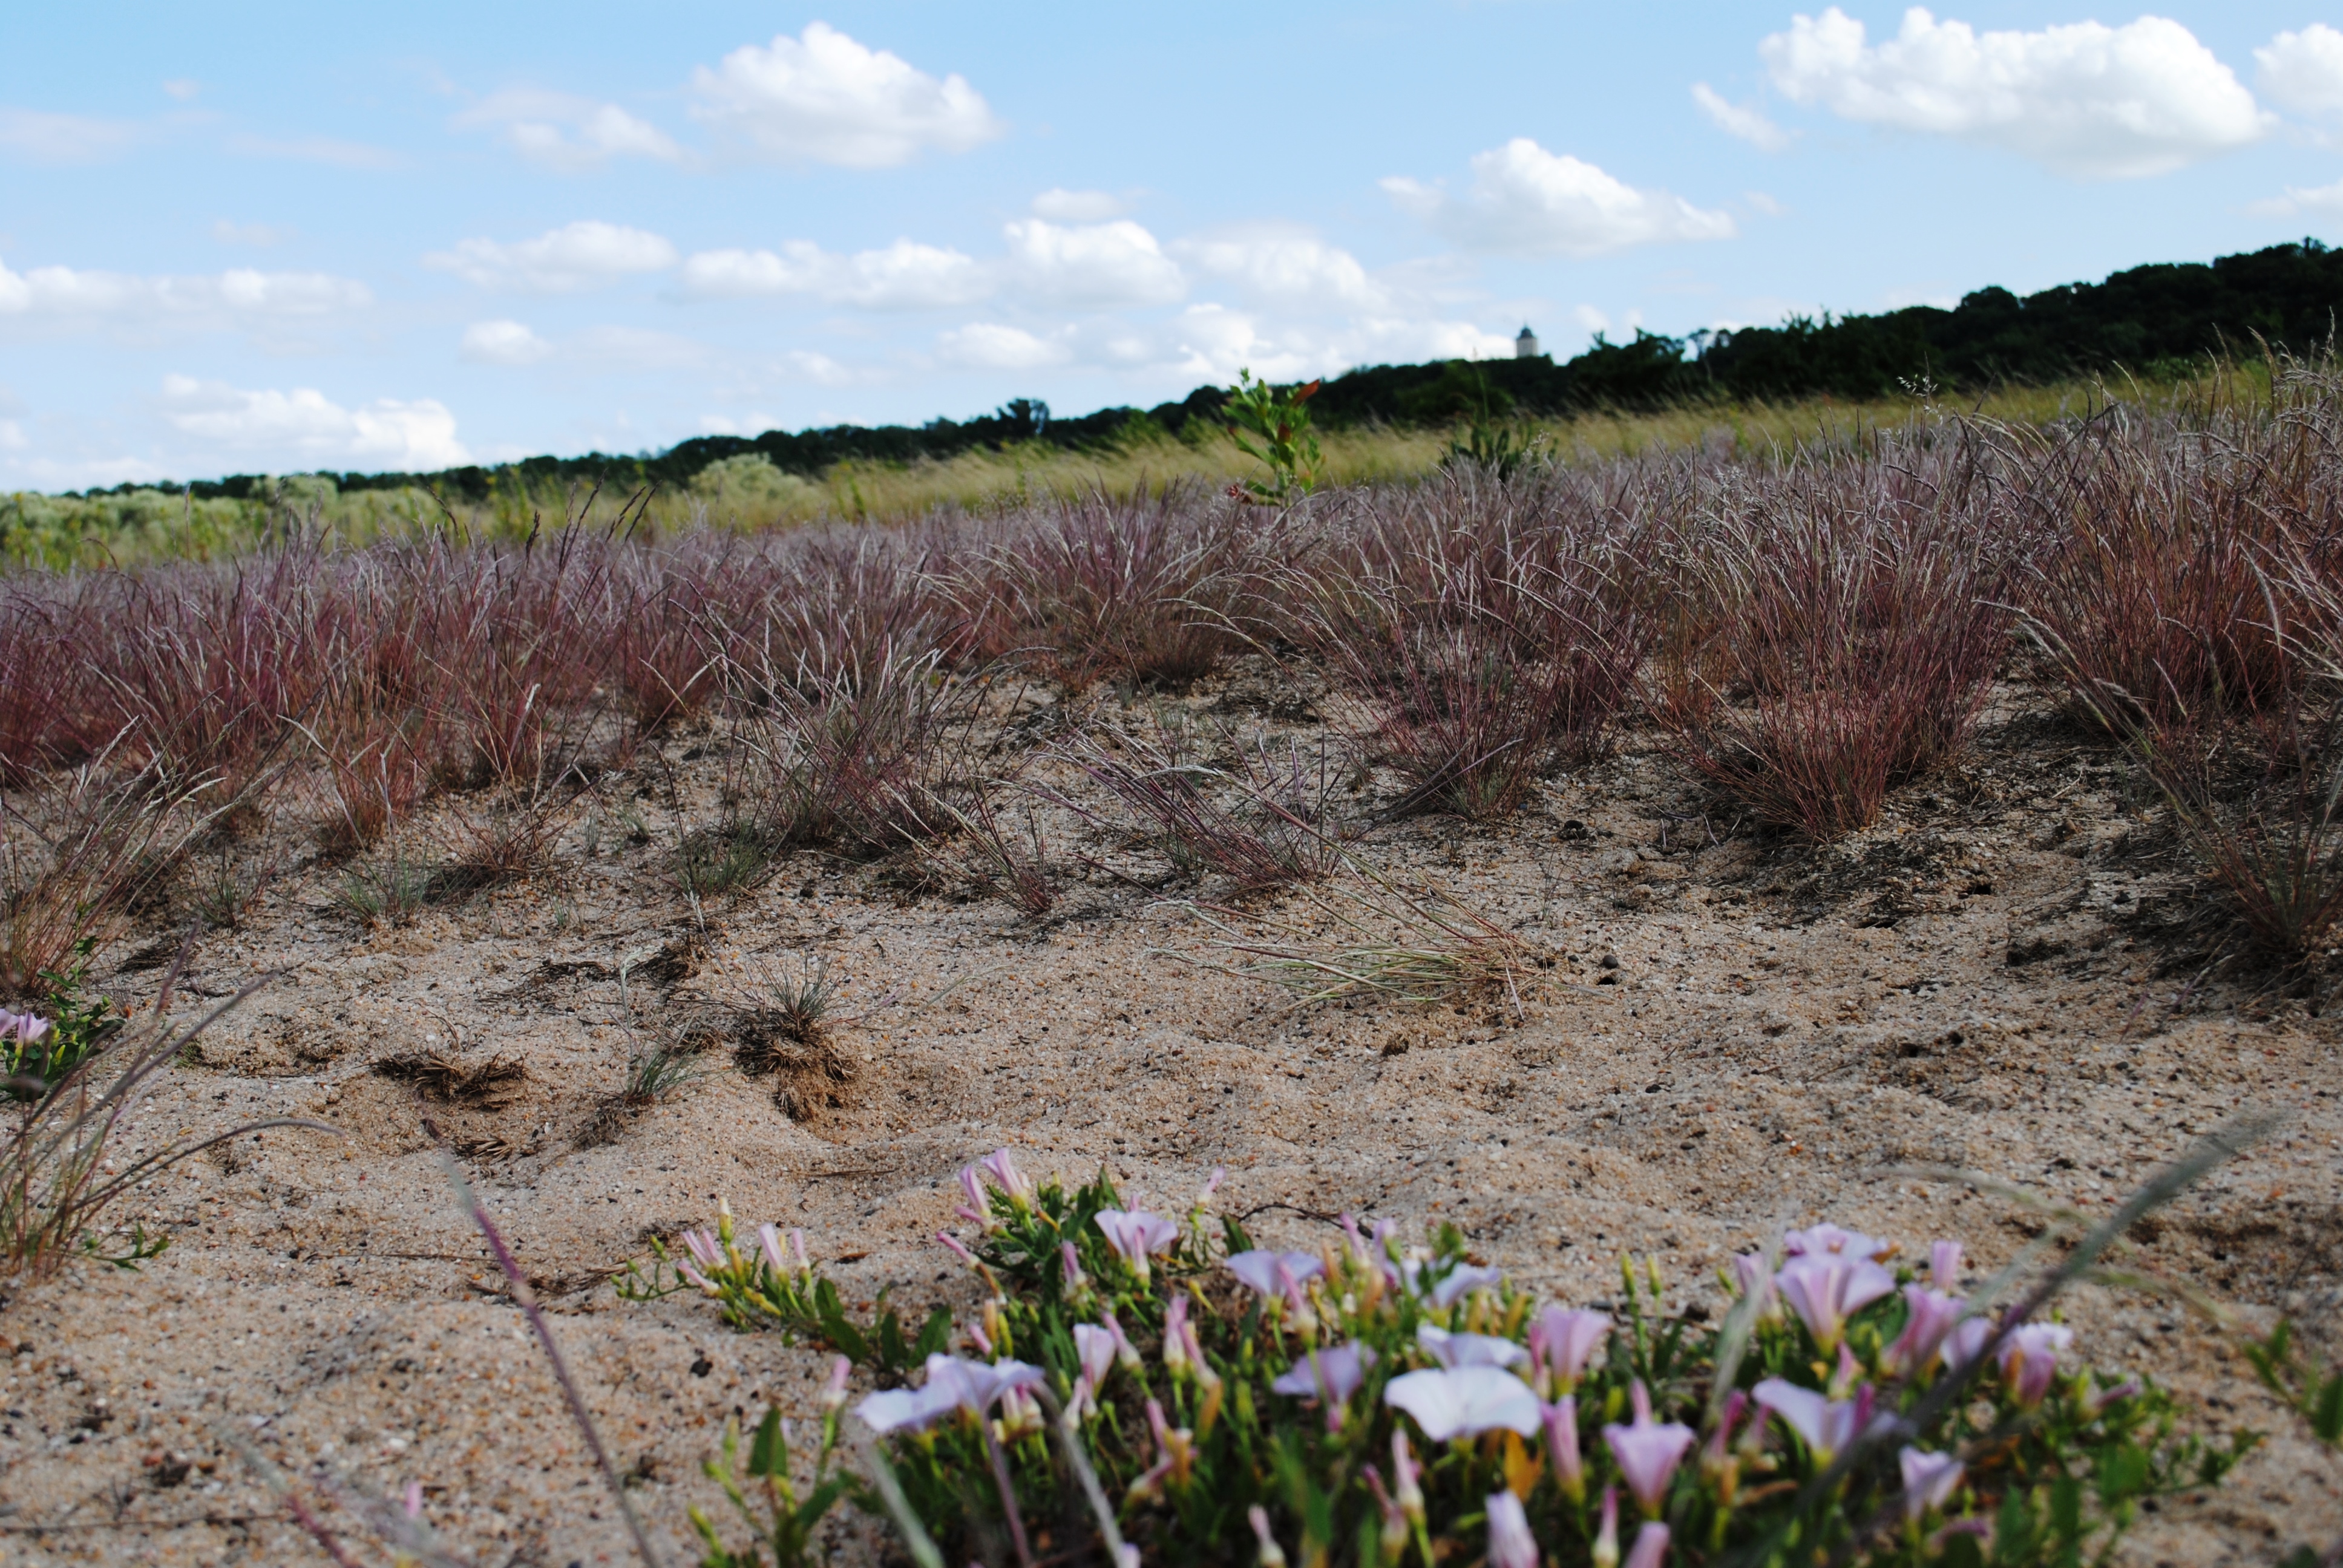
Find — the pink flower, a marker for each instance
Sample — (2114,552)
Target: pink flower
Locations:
(1136,1234)
(1827,1426)
(1468,1350)
(1465,1401)
(976,1203)
(1511,1545)
(1462,1282)
(1562,1446)
(953,1383)
(1749,1268)
(1651,1548)
(2029,1359)
(1944,1265)
(1094,1350)
(1929,1480)
(1073,1263)
(1332,1375)
(27,1027)
(1826,1289)
(1405,1490)
(952,1244)
(1966,1341)
(1274,1273)
(1125,1351)
(1648,1452)
(1014,1184)
(833,1393)
(1929,1316)
(1828,1241)
(1272,1554)
(1562,1343)
(1606,1540)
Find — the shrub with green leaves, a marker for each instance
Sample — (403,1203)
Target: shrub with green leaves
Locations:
(1145,1389)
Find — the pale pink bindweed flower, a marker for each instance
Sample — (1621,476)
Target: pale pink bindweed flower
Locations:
(1135,1234)
(1966,1341)
(1465,1401)
(1827,1241)
(951,1244)
(1273,1273)
(1095,1350)
(1125,1351)
(26,1028)
(1272,1554)
(1944,1265)
(833,1393)
(1405,1492)
(1463,1281)
(2029,1359)
(1651,1548)
(1749,1270)
(1826,1289)
(1511,1545)
(953,1383)
(1454,1350)
(1648,1451)
(976,1202)
(1563,1341)
(1606,1540)
(1330,1376)
(1929,1316)
(1072,1264)
(1560,1419)
(1014,1184)
(1929,1480)
(1827,1426)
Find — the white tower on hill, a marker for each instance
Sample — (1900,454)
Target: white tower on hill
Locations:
(1525,346)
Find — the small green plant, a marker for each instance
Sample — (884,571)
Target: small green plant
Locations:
(732,857)
(64,1030)
(1273,428)
(778,1517)
(769,1287)
(390,893)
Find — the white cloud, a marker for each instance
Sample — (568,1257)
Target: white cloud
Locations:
(65,294)
(502,343)
(2303,71)
(302,427)
(262,234)
(583,254)
(1532,202)
(1763,203)
(47,138)
(12,436)
(629,348)
(1739,120)
(2084,99)
(1060,206)
(325,150)
(565,133)
(2326,201)
(1213,342)
(825,98)
(1091,266)
(183,89)
(1292,268)
(988,345)
(903,276)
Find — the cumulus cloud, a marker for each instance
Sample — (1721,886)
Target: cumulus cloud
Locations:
(2086,100)
(46,139)
(1086,266)
(1739,120)
(1287,268)
(328,150)
(2325,201)
(2303,71)
(1062,206)
(262,234)
(12,436)
(989,346)
(565,133)
(583,254)
(502,343)
(1528,201)
(63,294)
(304,428)
(904,276)
(824,98)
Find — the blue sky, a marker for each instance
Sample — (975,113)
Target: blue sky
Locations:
(254,238)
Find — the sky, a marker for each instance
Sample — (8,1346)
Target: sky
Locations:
(256,238)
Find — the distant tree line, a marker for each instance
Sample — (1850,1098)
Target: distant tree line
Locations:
(2155,321)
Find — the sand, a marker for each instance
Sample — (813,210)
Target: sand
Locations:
(1736,1032)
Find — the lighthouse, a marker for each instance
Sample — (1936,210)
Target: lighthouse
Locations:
(1525,346)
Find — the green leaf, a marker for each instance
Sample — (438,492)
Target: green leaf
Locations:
(769,1451)
(935,1334)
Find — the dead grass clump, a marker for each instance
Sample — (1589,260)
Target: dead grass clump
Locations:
(1838,635)
(655,1074)
(442,1075)
(784,1029)
(1258,815)
(1366,936)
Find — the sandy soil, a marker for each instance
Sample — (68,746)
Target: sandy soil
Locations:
(1734,1032)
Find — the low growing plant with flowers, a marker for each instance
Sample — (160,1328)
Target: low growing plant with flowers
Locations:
(1141,1387)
